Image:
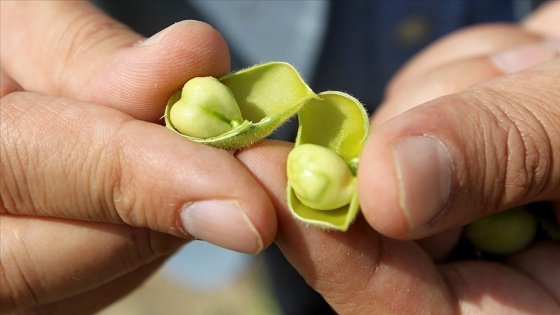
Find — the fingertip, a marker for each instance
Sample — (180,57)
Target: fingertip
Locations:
(196,39)
(378,187)
(187,49)
(266,162)
(406,174)
(523,57)
(262,221)
(258,214)
(231,209)
(139,78)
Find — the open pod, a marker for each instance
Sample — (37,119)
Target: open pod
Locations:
(339,122)
(267,95)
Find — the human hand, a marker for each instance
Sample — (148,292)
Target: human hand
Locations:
(95,194)
(500,130)
(490,119)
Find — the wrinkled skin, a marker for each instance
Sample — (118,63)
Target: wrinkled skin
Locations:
(485,116)
(92,185)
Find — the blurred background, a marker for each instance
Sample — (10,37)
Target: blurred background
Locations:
(203,279)
(351,46)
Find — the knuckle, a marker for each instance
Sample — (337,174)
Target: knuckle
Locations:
(524,148)
(123,197)
(16,274)
(15,160)
(80,38)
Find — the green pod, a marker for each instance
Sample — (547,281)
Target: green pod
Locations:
(267,96)
(338,122)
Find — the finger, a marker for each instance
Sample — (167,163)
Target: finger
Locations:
(451,78)
(100,164)
(493,288)
(464,156)
(361,272)
(544,20)
(438,82)
(467,43)
(89,56)
(86,256)
(455,77)
(354,271)
(540,261)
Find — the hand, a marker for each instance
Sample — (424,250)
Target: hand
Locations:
(496,117)
(95,194)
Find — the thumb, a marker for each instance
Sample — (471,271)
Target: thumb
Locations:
(452,160)
(89,56)
(63,158)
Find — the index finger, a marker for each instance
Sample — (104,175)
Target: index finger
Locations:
(89,56)
(99,164)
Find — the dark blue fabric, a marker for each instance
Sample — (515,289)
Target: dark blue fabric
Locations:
(361,53)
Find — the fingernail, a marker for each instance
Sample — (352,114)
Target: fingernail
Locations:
(520,58)
(424,172)
(222,223)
